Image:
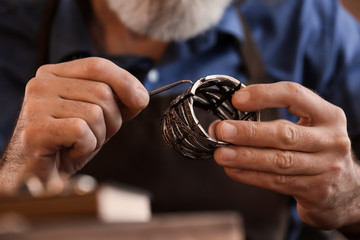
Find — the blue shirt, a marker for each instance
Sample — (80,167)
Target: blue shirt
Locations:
(312,42)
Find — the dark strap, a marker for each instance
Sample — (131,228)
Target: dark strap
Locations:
(248,50)
(44,33)
(255,68)
(356,146)
(43,48)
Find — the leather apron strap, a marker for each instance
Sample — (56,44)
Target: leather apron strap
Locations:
(255,67)
(44,33)
(248,50)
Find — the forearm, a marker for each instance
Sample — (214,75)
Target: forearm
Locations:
(9,177)
(11,168)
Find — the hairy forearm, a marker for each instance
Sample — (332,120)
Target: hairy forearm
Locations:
(11,168)
(8,177)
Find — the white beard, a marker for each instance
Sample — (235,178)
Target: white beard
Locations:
(168,20)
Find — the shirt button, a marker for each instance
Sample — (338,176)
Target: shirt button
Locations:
(153,76)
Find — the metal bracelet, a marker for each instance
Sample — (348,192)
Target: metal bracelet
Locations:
(182,130)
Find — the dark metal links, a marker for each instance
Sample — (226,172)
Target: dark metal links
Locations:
(182,130)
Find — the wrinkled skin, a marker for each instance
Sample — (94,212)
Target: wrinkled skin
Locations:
(69,111)
(310,160)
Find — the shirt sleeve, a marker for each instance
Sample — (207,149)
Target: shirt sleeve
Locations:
(312,42)
(331,64)
(342,87)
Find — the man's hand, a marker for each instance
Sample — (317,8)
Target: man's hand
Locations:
(69,111)
(310,160)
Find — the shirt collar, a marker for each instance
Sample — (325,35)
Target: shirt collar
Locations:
(230,24)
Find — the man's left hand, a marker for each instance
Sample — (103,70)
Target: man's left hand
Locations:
(310,160)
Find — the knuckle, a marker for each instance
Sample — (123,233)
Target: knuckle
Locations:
(250,132)
(80,128)
(281,179)
(343,144)
(95,114)
(287,133)
(32,86)
(338,111)
(339,114)
(295,89)
(95,65)
(104,92)
(324,192)
(284,160)
(37,86)
(43,69)
(289,182)
(340,140)
(263,90)
(249,156)
(336,169)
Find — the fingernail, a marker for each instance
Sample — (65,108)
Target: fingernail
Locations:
(142,97)
(228,154)
(241,96)
(228,131)
(212,128)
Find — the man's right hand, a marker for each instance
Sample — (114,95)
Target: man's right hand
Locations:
(69,111)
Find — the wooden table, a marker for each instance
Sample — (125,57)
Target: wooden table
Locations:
(184,226)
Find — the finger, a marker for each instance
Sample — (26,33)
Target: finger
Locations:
(278,134)
(212,128)
(50,137)
(299,100)
(43,140)
(309,191)
(79,90)
(91,113)
(289,185)
(71,163)
(128,89)
(269,160)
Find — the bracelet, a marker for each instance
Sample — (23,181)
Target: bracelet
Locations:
(180,127)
